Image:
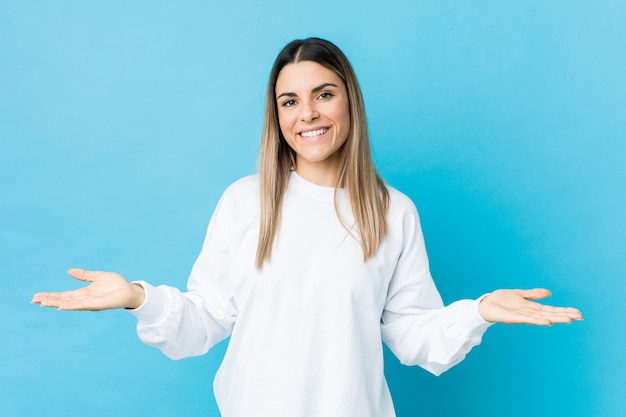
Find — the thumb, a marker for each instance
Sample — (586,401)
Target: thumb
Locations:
(79,273)
(535,293)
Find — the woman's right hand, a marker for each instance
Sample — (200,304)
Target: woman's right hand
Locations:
(107,290)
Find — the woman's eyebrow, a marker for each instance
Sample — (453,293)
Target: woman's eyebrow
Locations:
(314,90)
(323,86)
(286,95)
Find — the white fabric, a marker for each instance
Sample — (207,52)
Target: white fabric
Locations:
(307,330)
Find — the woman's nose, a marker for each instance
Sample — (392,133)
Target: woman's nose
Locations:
(308,112)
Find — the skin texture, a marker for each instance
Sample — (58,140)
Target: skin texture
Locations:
(313,99)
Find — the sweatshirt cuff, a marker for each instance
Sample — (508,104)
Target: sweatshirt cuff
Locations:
(468,318)
(154,306)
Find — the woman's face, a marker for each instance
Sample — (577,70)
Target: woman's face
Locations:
(314,117)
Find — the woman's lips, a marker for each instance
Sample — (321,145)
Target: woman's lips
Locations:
(313,133)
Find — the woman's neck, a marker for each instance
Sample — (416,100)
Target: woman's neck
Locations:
(322,173)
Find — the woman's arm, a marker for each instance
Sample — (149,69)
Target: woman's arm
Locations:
(419,330)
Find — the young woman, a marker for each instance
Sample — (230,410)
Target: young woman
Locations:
(309,266)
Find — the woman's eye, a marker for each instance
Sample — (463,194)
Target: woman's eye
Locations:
(289,103)
(325,95)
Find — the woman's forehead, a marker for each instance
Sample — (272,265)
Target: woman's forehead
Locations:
(305,75)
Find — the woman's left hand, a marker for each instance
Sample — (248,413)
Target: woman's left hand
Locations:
(516,307)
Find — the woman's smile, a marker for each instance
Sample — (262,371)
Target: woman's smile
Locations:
(314,133)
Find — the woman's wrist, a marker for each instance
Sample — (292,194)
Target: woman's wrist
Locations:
(139,296)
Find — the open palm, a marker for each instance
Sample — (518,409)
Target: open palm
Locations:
(516,307)
(107,290)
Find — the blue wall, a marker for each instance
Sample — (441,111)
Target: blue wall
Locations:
(122,122)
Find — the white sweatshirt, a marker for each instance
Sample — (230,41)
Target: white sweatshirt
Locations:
(306,331)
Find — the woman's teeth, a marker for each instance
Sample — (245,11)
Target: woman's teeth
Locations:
(311,133)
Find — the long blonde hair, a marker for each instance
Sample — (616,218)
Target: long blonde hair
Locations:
(369,197)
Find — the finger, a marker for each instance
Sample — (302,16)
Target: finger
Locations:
(554,316)
(565,313)
(570,312)
(37,298)
(535,293)
(42,297)
(48,299)
(560,310)
(80,274)
(45,300)
(67,303)
(534,320)
(538,319)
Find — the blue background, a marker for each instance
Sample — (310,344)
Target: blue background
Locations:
(122,122)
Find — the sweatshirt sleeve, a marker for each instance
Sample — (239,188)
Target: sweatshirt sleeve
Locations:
(416,326)
(183,324)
